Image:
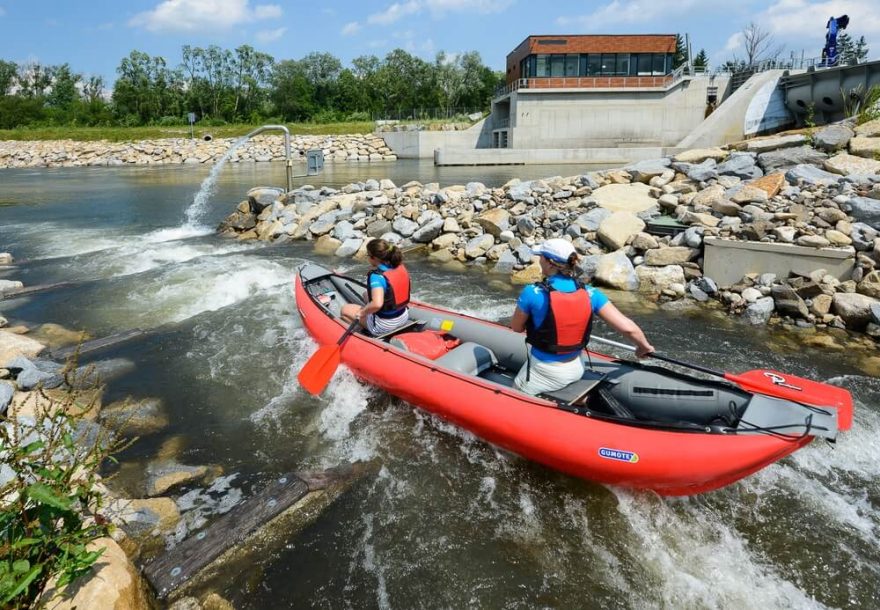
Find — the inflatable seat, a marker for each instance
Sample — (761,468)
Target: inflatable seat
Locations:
(469,358)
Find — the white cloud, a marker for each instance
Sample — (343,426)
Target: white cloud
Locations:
(437,8)
(352,27)
(630,11)
(395,12)
(266,36)
(799,25)
(193,15)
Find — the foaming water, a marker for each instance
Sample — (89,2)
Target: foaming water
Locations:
(195,213)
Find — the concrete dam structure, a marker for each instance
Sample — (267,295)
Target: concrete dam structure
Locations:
(633,113)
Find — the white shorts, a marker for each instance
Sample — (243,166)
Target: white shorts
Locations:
(379,326)
(547,376)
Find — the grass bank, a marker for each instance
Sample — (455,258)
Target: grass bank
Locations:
(125,134)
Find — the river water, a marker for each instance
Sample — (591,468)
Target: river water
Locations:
(443,520)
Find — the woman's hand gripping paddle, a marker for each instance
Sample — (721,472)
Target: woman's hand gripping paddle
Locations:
(316,373)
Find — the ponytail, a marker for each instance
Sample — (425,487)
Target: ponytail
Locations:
(385,251)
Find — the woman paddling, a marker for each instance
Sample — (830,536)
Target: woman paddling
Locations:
(389,286)
(556,315)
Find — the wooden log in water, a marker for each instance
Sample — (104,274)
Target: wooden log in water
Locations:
(28,290)
(184,561)
(64,353)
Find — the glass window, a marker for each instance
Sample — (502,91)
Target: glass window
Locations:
(594,65)
(659,63)
(608,63)
(622,64)
(644,63)
(557,65)
(582,67)
(542,65)
(571,65)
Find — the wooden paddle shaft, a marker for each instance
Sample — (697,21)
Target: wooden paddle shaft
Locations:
(660,357)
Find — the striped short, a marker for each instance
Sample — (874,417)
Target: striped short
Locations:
(379,326)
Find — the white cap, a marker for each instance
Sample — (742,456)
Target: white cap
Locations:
(557,250)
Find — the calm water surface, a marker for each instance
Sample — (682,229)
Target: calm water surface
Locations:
(443,520)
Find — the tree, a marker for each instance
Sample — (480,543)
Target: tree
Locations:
(849,50)
(680,55)
(146,89)
(292,93)
(322,71)
(64,88)
(33,79)
(8,72)
(701,60)
(252,72)
(759,44)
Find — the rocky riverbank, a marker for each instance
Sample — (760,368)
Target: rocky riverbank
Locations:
(259,149)
(816,190)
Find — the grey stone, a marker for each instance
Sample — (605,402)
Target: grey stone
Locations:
(832,138)
(343,230)
(592,219)
(588,180)
(404,226)
(349,247)
(378,227)
(810,174)
(785,158)
(707,285)
(429,231)
(643,171)
(521,192)
(788,303)
(875,314)
(760,311)
(866,210)
(261,196)
(506,263)
(6,392)
(741,165)
(698,293)
(693,236)
(525,225)
(524,254)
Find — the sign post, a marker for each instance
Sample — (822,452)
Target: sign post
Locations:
(192,120)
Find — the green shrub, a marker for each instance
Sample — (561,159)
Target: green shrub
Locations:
(49,493)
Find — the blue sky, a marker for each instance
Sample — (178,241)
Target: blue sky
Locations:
(94,35)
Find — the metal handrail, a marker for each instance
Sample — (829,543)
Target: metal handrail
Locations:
(286,148)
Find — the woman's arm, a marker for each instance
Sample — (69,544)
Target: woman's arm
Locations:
(375,304)
(619,322)
(518,321)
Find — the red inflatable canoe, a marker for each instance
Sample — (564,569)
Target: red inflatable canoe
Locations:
(625,423)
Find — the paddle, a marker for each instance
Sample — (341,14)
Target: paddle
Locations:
(773,383)
(316,373)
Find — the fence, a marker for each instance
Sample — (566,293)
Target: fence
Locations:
(427,114)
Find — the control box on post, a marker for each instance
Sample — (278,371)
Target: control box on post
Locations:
(314,161)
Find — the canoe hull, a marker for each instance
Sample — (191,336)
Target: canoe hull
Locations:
(668,462)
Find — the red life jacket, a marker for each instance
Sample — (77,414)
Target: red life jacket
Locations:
(397,294)
(568,323)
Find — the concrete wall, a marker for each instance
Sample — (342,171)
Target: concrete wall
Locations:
(605,157)
(421,144)
(585,118)
(727,261)
(727,123)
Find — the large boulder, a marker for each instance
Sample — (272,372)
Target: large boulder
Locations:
(789,157)
(740,164)
(866,210)
(865,147)
(760,311)
(615,270)
(112,583)
(772,143)
(674,255)
(616,230)
(847,164)
(494,221)
(13,345)
(633,198)
(854,309)
(810,174)
(832,138)
(698,155)
(657,279)
(643,171)
(870,285)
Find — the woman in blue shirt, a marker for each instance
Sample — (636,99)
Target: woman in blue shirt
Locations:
(556,316)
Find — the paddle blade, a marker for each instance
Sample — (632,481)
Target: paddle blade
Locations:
(316,373)
(791,387)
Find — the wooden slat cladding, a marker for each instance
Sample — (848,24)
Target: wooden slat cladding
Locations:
(587,43)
